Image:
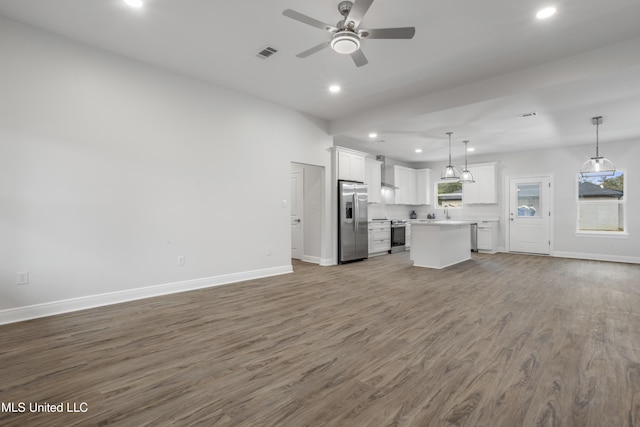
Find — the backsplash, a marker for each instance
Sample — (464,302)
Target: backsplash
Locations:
(382,210)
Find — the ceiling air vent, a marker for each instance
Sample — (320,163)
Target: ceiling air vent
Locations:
(525,115)
(266,52)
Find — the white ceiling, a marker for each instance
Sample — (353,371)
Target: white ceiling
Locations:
(470,69)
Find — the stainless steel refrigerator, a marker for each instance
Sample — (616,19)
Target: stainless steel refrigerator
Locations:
(353,233)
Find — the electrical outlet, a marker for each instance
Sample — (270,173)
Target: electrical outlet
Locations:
(268,250)
(181,261)
(23,277)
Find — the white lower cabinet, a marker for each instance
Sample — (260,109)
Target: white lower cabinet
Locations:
(407,236)
(379,238)
(488,236)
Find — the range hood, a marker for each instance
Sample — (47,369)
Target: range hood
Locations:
(387,173)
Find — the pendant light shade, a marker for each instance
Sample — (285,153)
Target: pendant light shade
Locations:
(466,176)
(597,165)
(450,173)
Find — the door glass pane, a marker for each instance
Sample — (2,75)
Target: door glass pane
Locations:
(528,199)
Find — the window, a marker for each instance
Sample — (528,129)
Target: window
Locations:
(450,194)
(601,203)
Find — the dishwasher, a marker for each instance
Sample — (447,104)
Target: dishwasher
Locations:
(474,237)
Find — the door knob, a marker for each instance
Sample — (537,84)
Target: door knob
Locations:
(297,220)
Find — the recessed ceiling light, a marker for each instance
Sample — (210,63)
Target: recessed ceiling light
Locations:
(134,3)
(373,135)
(418,150)
(546,12)
(334,88)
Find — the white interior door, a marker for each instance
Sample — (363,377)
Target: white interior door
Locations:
(529,215)
(297,185)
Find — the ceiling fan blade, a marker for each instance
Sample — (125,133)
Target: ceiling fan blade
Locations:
(358,10)
(313,50)
(389,33)
(359,58)
(308,20)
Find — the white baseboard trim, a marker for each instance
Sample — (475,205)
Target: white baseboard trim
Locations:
(597,257)
(311,259)
(35,311)
(325,262)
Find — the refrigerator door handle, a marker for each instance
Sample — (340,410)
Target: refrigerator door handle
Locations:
(356,213)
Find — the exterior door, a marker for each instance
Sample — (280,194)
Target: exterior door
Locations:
(529,215)
(297,185)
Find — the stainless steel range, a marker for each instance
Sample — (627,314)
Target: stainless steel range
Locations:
(398,235)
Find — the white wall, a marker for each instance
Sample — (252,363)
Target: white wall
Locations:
(111,169)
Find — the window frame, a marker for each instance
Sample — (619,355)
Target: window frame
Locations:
(602,233)
(437,199)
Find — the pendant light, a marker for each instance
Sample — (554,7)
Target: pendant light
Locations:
(597,165)
(466,176)
(450,173)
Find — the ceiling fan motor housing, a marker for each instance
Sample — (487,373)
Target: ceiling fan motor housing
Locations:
(344,7)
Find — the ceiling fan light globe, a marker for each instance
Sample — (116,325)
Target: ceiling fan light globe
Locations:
(345,42)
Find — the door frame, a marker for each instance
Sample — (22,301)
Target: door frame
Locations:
(300,206)
(506,203)
(315,214)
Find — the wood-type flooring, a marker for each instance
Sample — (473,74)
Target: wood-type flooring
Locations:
(500,340)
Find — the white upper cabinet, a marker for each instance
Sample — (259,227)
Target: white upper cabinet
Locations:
(405,180)
(423,186)
(373,178)
(413,186)
(484,190)
(350,164)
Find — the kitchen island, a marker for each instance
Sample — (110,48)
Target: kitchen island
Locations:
(440,243)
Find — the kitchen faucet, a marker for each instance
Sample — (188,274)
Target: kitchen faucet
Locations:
(446,212)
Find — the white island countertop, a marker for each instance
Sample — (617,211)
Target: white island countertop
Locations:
(442,221)
(440,243)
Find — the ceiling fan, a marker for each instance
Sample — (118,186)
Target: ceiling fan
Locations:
(346,35)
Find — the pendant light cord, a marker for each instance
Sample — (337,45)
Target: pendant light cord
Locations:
(597,137)
(597,121)
(465,155)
